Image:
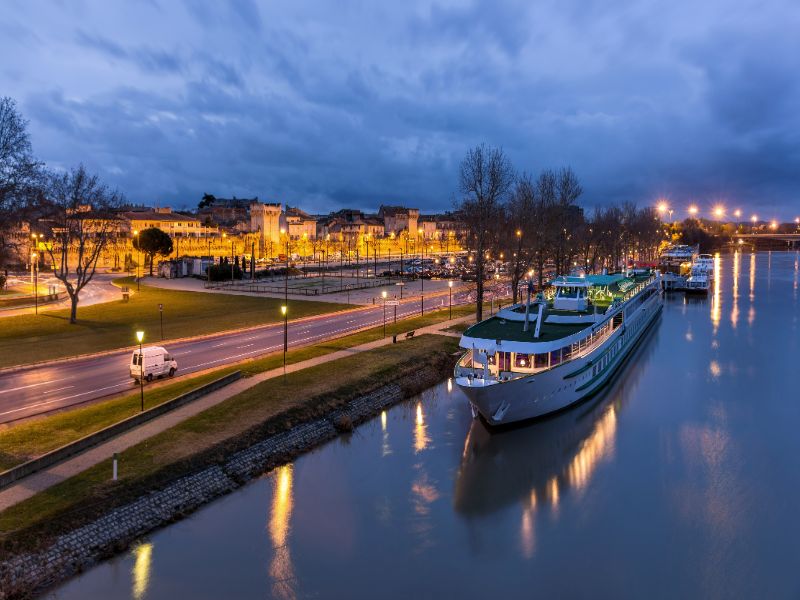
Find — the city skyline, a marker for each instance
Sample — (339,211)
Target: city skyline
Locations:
(358,107)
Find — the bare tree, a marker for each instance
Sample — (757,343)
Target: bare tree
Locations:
(520,211)
(485,180)
(19,172)
(81,215)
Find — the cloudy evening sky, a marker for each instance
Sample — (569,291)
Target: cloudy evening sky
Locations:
(331,104)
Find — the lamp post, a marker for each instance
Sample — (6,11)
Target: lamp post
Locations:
(33,252)
(450,290)
(383,293)
(231,262)
(286,273)
(35,270)
(285,313)
(421,275)
(140,337)
(211,259)
(138,255)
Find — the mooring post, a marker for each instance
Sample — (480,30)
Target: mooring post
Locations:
(114,476)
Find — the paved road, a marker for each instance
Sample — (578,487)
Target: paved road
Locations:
(50,387)
(99,289)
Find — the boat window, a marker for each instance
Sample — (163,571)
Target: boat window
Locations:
(566,353)
(504,359)
(522,360)
(555,357)
(540,360)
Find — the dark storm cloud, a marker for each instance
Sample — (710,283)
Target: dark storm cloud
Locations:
(357,104)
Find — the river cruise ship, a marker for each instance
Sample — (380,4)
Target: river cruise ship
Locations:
(535,358)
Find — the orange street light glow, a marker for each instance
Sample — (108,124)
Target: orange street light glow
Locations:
(662,207)
(754,218)
(692,210)
(737,213)
(719,212)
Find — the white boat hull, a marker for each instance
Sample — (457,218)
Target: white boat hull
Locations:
(538,394)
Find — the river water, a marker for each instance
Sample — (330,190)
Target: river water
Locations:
(681,479)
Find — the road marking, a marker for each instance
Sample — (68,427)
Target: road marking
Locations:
(218,345)
(24,387)
(245,346)
(58,389)
(30,406)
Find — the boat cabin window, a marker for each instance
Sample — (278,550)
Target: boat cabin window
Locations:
(571,292)
(555,357)
(540,360)
(522,360)
(566,353)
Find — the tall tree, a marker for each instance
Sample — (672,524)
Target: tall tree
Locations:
(152,241)
(81,215)
(19,172)
(520,212)
(486,178)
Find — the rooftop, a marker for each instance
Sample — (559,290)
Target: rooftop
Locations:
(157,216)
(496,328)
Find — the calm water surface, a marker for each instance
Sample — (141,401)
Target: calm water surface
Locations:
(681,479)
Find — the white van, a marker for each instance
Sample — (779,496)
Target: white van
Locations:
(157,363)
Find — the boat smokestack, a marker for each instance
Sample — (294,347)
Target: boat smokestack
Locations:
(539,320)
(528,305)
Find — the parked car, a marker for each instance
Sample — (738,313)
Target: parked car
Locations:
(154,361)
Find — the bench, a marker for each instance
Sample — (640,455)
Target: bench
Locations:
(409,335)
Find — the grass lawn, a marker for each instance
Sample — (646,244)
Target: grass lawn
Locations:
(270,406)
(28,338)
(30,439)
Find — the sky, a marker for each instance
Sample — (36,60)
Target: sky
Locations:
(355,104)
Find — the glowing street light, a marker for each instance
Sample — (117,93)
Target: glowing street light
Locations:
(140,337)
(383,295)
(754,219)
(693,210)
(737,213)
(35,270)
(773,224)
(285,313)
(450,289)
(138,256)
(719,212)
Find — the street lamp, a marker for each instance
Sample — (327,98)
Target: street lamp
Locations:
(138,255)
(285,313)
(286,273)
(383,294)
(421,276)
(719,212)
(693,210)
(35,270)
(450,289)
(140,337)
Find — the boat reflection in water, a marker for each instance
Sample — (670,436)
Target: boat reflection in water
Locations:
(540,463)
(536,463)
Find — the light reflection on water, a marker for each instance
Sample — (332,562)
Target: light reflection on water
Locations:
(280,569)
(675,482)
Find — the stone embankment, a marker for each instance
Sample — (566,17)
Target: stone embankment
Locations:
(27,574)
